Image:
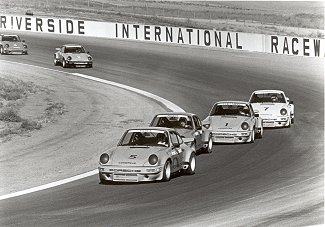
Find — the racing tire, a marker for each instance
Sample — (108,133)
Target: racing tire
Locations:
(208,149)
(2,52)
(64,63)
(253,136)
(260,134)
(56,63)
(167,172)
(191,166)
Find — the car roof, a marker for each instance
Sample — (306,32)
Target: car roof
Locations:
(72,45)
(230,101)
(177,113)
(267,91)
(8,35)
(152,128)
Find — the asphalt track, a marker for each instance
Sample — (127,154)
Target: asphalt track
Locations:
(277,181)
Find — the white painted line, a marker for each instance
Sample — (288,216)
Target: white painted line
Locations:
(50,185)
(173,107)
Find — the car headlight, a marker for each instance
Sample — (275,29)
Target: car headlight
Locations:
(244,126)
(283,111)
(104,158)
(153,159)
(69,58)
(25,46)
(90,58)
(7,46)
(207,126)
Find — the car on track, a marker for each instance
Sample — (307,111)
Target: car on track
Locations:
(12,44)
(274,107)
(188,125)
(72,55)
(147,154)
(232,122)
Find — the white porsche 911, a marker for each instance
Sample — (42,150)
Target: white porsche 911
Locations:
(232,122)
(274,108)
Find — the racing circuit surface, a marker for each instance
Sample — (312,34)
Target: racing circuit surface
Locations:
(277,181)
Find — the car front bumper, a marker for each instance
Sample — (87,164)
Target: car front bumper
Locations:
(275,121)
(15,50)
(227,136)
(130,174)
(79,63)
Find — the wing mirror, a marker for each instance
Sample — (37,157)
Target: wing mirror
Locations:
(290,102)
(23,41)
(88,52)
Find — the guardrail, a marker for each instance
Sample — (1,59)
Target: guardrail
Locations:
(275,44)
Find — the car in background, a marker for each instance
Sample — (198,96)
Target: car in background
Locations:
(188,125)
(232,122)
(146,154)
(274,107)
(12,44)
(72,55)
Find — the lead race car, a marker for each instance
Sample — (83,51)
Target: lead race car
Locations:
(232,122)
(188,125)
(274,108)
(12,44)
(72,55)
(147,154)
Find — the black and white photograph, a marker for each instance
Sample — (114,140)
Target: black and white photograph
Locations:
(162,113)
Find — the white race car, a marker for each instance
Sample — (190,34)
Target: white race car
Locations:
(232,122)
(273,107)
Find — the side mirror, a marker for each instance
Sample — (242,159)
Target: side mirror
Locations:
(256,115)
(88,52)
(23,40)
(290,102)
(256,111)
(57,49)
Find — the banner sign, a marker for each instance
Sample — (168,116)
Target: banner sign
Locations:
(311,47)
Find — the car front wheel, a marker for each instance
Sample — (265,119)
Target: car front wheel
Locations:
(192,165)
(64,64)
(167,171)
(2,50)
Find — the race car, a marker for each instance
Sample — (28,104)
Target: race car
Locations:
(12,44)
(72,55)
(146,154)
(188,125)
(232,122)
(274,108)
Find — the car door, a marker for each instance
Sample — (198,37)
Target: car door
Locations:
(198,132)
(176,151)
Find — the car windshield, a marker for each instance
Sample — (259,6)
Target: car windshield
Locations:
(173,121)
(74,50)
(145,138)
(267,97)
(230,109)
(11,38)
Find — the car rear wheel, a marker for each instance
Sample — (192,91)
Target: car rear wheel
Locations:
(167,171)
(192,165)
(208,149)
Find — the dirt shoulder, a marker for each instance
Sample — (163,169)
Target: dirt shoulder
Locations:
(95,116)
